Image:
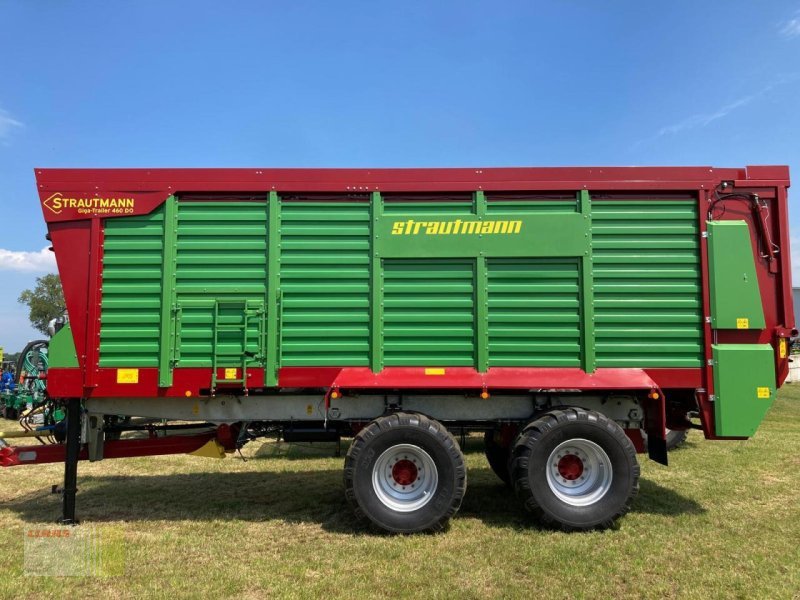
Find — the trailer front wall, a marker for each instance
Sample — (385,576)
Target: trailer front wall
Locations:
(477,280)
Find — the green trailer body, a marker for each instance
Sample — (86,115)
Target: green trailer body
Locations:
(376,283)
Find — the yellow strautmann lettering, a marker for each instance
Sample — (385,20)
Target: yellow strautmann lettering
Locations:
(56,203)
(95,203)
(456,227)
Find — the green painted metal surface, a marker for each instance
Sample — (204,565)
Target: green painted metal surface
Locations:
(131,302)
(491,280)
(61,351)
(376,291)
(587,295)
(167,343)
(512,234)
(744,382)
(273,290)
(647,284)
(534,312)
(735,296)
(429,312)
(221,252)
(233,320)
(325,283)
(481,293)
(218,251)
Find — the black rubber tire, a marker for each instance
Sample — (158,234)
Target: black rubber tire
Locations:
(529,461)
(405,428)
(498,456)
(676,438)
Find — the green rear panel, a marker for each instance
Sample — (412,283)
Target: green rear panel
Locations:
(735,296)
(648,304)
(495,280)
(744,381)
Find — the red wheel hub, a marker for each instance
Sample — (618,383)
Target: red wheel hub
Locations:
(404,472)
(570,467)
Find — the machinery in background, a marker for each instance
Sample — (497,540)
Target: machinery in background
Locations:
(23,391)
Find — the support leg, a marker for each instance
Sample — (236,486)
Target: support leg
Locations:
(71,460)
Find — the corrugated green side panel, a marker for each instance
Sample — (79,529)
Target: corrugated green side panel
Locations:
(221,255)
(130,312)
(451,207)
(429,312)
(648,303)
(646,285)
(534,312)
(325,284)
(531,206)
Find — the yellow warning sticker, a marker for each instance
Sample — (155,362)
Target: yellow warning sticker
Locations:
(127,375)
(230,373)
(309,409)
(742,323)
(782,347)
(763,392)
(436,371)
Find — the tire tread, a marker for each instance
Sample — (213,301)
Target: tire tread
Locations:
(403,419)
(532,433)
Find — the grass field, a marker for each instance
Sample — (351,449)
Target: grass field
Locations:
(722,521)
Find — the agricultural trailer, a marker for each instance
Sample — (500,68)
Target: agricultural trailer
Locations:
(567,313)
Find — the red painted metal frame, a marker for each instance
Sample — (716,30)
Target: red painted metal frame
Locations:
(94,293)
(12,456)
(150,187)
(190,382)
(704,397)
(77,235)
(496,378)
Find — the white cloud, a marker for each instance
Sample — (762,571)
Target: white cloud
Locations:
(7,124)
(791,28)
(701,120)
(43,261)
(795,242)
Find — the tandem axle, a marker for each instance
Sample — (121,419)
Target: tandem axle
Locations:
(224,423)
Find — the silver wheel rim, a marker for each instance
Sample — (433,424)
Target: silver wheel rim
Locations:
(579,472)
(405,478)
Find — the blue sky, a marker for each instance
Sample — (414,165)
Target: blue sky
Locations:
(346,84)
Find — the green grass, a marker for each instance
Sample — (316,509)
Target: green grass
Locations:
(722,521)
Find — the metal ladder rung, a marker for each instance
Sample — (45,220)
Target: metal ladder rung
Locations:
(246,312)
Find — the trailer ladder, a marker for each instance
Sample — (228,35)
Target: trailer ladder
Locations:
(233,317)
